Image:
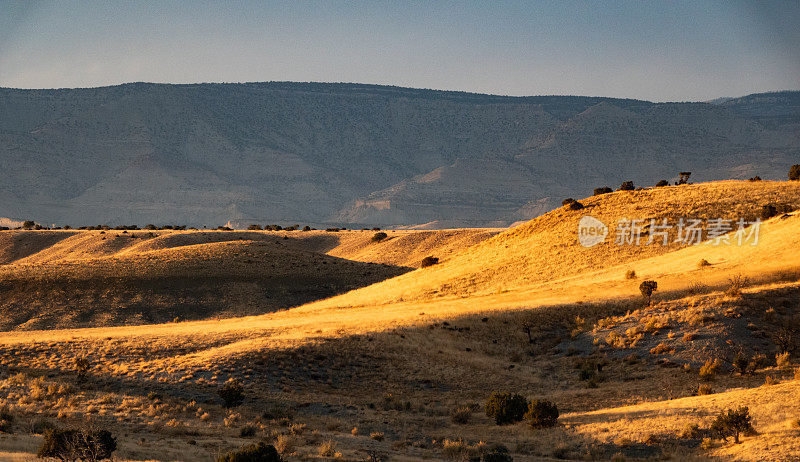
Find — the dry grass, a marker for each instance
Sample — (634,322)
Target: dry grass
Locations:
(398,357)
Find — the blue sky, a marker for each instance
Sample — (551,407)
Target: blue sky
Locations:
(661,51)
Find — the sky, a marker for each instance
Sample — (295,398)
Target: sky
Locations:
(653,50)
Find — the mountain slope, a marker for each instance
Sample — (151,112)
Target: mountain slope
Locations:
(292,152)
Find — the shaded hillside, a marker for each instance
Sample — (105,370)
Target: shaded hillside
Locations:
(292,152)
(60,279)
(201,281)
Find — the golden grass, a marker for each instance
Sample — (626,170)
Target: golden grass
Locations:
(396,358)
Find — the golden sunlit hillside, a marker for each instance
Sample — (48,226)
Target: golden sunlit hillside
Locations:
(401,369)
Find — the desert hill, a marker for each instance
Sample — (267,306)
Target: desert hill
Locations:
(546,248)
(406,376)
(317,153)
(59,279)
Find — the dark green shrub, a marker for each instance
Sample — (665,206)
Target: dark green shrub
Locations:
(627,186)
(567,201)
(603,190)
(377,237)
(254,228)
(755,178)
(742,362)
(684,177)
(647,288)
(428,261)
(768,211)
(574,205)
(82,367)
(732,423)
(497,453)
(506,408)
(231,393)
(542,413)
(794,173)
(258,452)
(73,444)
(248,431)
(28,224)
(662,183)
(306,228)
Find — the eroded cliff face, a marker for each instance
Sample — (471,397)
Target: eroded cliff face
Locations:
(289,152)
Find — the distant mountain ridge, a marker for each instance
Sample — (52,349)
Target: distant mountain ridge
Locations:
(355,154)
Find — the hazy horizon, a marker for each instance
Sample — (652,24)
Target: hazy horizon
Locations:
(684,51)
(399,86)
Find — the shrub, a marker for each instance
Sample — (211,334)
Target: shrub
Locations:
(603,190)
(783,361)
(461,415)
(40,426)
(82,367)
(6,419)
(710,369)
(627,186)
(327,448)
(497,453)
(377,436)
(257,452)
(254,228)
(542,414)
(794,173)
(691,432)
(575,205)
(506,408)
(567,201)
(684,177)
(732,423)
(662,183)
(703,263)
(73,444)
(231,393)
(285,444)
(428,261)
(28,224)
(647,288)
(735,285)
(704,389)
(741,362)
(630,274)
(768,211)
(755,178)
(248,431)
(377,237)
(306,228)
